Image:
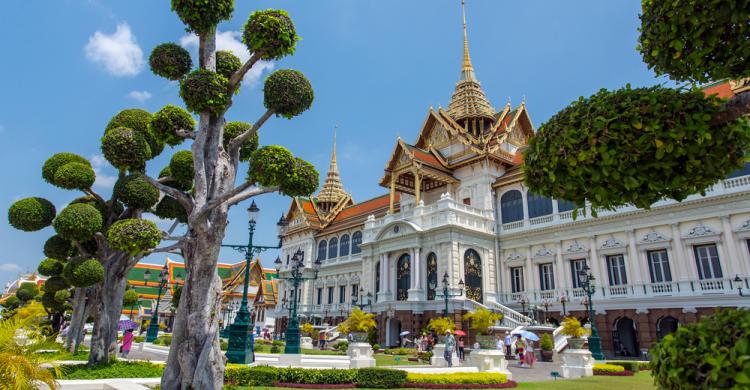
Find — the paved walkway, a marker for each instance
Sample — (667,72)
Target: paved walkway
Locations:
(540,372)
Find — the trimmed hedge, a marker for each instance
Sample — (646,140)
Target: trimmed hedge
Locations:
(270,376)
(380,378)
(477,378)
(608,368)
(117,369)
(631,365)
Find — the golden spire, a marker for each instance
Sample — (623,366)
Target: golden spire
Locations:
(468,100)
(333,189)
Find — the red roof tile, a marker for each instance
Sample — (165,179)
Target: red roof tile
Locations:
(721,90)
(365,208)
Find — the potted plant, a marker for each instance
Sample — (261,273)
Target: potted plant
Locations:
(359,324)
(481,321)
(572,328)
(307,329)
(546,345)
(440,325)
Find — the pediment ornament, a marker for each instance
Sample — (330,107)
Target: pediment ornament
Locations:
(654,237)
(575,247)
(700,231)
(543,252)
(514,256)
(612,243)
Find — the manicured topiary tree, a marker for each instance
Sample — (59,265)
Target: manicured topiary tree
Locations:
(640,145)
(199,185)
(27,291)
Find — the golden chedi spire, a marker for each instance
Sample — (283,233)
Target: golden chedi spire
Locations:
(469,105)
(333,190)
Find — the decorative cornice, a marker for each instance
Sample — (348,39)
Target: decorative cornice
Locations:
(745,226)
(612,243)
(576,247)
(654,237)
(544,252)
(514,256)
(700,231)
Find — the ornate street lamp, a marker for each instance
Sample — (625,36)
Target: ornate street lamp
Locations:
(240,332)
(523,301)
(297,276)
(343,311)
(738,283)
(153,327)
(563,299)
(364,304)
(546,305)
(447,294)
(586,281)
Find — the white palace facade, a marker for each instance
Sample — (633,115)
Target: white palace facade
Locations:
(455,204)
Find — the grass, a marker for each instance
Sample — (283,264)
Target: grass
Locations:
(118,369)
(390,360)
(65,355)
(640,381)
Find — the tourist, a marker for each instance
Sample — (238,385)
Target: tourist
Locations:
(450,347)
(508,345)
(500,344)
(519,349)
(350,337)
(322,340)
(476,346)
(461,348)
(529,356)
(127,343)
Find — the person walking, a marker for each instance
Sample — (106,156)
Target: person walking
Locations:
(500,344)
(508,344)
(127,343)
(322,340)
(529,356)
(461,348)
(450,347)
(520,350)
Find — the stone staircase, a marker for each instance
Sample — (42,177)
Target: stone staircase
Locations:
(511,318)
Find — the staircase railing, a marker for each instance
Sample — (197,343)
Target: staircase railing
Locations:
(511,318)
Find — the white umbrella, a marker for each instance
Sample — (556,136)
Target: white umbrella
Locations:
(404,333)
(527,335)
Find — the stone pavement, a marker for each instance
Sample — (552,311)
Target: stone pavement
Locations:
(540,372)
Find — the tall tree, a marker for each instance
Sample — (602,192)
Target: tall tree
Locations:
(195,360)
(640,145)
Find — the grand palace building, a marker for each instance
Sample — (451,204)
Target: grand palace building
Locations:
(455,205)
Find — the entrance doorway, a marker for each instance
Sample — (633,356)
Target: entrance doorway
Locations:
(625,337)
(665,326)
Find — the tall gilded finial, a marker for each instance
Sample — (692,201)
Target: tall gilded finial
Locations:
(466,69)
(333,189)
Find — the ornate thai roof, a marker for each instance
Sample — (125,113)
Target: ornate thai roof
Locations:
(333,189)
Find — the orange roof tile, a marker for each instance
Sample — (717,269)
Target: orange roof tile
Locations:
(365,208)
(721,90)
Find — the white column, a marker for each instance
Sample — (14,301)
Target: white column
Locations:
(634,258)
(594,255)
(733,263)
(678,263)
(529,274)
(560,272)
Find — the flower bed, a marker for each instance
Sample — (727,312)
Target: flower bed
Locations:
(609,373)
(506,385)
(315,386)
(481,378)
(611,370)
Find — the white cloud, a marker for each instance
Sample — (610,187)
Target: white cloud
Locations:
(140,96)
(9,267)
(103,180)
(118,52)
(230,40)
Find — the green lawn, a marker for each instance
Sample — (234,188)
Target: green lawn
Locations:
(390,360)
(641,381)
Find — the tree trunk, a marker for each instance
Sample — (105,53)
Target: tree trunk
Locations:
(77,320)
(109,309)
(195,359)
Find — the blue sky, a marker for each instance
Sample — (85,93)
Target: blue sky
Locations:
(376,66)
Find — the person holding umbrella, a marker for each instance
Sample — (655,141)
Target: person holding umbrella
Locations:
(127,343)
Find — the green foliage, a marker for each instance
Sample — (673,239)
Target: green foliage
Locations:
(316,377)
(631,365)
(133,235)
(342,346)
(54,284)
(301,180)
(227,63)
(181,166)
(275,349)
(441,324)
(696,40)
(460,378)
(204,90)
(401,351)
(62,296)
(602,367)
(234,129)
(10,303)
(126,149)
(380,378)
(269,165)
(202,16)
(307,328)
(546,343)
(118,369)
(58,160)
(634,146)
(21,365)
(136,192)
(165,123)
(482,319)
(271,33)
(129,298)
(58,248)
(31,214)
(138,120)
(358,321)
(83,272)
(170,60)
(184,185)
(170,208)
(251,376)
(78,222)
(287,93)
(75,176)
(710,353)
(572,327)
(27,291)
(93,201)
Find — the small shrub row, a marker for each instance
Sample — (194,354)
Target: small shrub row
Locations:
(118,369)
(631,365)
(608,368)
(314,386)
(400,351)
(270,376)
(506,385)
(613,373)
(481,378)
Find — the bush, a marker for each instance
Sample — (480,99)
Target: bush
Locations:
(482,319)
(441,324)
(234,129)
(711,352)
(379,378)
(181,166)
(270,32)
(227,63)
(170,60)
(58,248)
(130,298)
(202,16)
(287,93)
(57,160)
(275,349)
(136,192)
(183,185)
(31,214)
(251,376)
(167,121)
(546,343)
(118,369)
(27,291)
(425,356)
(62,296)
(608,367)
(125,149)
(82,272)
(269,165)
(78,222)
(224,345)
(458,378)
(572,327)
(401,351)
(278,343)
(375,347)
(308,376)
(55,284)
(133,235)
(75,176)
(50,267)
(630,365)
(138,120)
(204,90)
(342,346)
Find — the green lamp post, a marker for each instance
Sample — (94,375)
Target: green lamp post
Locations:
(447,294)
(296,274)
(586,281)
(153,327)
(363,305)
(240,348)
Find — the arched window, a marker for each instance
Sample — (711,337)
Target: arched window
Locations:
(356,241)
(344,245)
(403,274)
(511,206)
(322,250)
(333,248)
(538,205)
(665,326)
(473,275)
(431,276)
(565,205)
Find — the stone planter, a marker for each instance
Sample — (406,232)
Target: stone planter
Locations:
(547,356)
(359,337)
(575,343)
(486,341)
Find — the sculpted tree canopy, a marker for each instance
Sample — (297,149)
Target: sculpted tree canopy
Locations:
(641,145)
